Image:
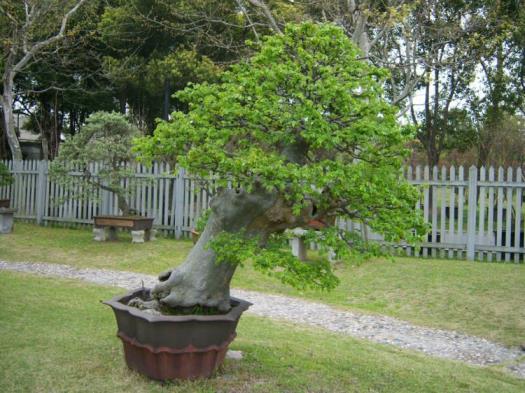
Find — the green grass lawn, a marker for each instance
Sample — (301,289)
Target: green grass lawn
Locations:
(484,299)
(55,336)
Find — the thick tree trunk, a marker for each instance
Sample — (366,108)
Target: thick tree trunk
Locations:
(202,281)
(9,119)
(123,205)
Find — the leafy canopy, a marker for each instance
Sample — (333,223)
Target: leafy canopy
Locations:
(305,118)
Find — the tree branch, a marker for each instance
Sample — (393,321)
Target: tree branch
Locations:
(34,49)
(262,5)
(243,9)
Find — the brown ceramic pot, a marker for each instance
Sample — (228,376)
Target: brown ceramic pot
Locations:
(4,203)
(167,347)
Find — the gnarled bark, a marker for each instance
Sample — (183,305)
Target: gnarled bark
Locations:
(200,280)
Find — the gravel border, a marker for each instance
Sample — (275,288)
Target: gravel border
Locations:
(380,329)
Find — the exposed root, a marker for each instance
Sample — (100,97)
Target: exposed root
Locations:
(150,306)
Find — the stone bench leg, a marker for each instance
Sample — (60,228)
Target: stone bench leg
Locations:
(100,234)
(6,222)
(299,248)
(151,234)
(138,236)
(332,257)
(112,233)
(104,234)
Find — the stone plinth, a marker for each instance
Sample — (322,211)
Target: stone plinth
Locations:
(7,219)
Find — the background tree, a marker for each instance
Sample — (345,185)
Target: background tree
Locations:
(508,147)
(31,27)
(389,35)
(303,132)
(154,48)
(6,178)
(106,139)
(133,55)
(435,52)
(499,96)
(449,63)
(58,92)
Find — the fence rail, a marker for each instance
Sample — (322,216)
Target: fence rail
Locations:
(473,214)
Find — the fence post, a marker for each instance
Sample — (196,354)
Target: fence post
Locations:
(179,203)
(41,189)
(472,212)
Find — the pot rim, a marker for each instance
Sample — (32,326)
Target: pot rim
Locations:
(232,315)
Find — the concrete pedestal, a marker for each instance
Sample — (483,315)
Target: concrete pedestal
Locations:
(100,234)
(143,236)
(138,236)
(150,235)
(299,249)
(298,245)
(7,219)
(112,233)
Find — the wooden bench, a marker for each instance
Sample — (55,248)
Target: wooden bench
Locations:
(105,228)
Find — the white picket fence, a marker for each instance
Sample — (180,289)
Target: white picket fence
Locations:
(175,200)
(474,213)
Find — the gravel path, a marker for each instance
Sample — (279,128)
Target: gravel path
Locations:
(380,329)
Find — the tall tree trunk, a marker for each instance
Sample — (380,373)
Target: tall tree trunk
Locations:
(9,119)
(360,34)
(122,104)
(495,113)
(3,138)
(485,145)
(167,91)
(433,154)
(200,280)
(54,130)
(45,146)
(72,117)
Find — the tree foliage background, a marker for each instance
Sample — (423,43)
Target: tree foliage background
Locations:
(457,68)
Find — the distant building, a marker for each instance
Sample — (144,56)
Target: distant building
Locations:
(30,142)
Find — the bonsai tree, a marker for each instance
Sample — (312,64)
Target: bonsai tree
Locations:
(106,139)
(303,132)
(6,178)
